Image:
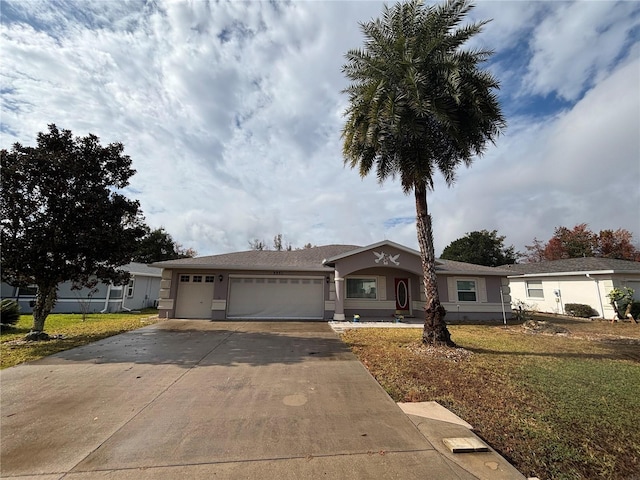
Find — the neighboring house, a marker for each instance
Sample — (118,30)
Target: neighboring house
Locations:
(549,286)
(326,282)
(141,292)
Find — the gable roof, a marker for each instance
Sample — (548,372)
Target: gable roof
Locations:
(357,250)
(569,266)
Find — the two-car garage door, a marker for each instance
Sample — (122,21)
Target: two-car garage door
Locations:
(276,297)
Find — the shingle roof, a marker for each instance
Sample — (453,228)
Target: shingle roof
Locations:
(453,267)
(142,269)
(304,259)
(583,264)
(309,259)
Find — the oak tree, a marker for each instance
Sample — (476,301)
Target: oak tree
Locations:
(64,218)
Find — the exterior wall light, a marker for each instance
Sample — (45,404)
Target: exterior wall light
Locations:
(220,277)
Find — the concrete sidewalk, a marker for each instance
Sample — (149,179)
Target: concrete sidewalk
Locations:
(199,399)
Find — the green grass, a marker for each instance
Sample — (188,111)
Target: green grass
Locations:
(70,331)
(557,407)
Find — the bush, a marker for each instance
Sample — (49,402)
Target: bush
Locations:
(635,310)
(580,310)
(10,312)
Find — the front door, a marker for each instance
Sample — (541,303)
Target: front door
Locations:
(402,296)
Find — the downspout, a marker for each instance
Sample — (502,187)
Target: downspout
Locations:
(106,300)
(124,296)
(597,290)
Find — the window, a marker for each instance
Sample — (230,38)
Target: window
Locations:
(534,289)
(184,278)
(209,279)
(361,288)
(130,288)
(197,279)
(31,290)
(466,290)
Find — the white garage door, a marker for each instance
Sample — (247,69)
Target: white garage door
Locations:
(276,297)
(195,295)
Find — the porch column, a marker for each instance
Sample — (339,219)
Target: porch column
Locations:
(338,313)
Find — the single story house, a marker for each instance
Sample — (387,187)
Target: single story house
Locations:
(550,285)
(141,292)
(325,282)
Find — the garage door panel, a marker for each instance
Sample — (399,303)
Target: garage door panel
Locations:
(195,296)
(273,298)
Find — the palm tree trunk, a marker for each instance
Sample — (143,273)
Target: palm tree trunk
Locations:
(435,329)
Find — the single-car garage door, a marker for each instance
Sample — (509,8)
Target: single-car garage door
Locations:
(195,294)
(276,297)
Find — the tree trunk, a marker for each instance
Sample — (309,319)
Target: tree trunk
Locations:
(45,301)
(435,329)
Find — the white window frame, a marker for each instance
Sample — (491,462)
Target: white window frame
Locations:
(530,289)
(366,278)
(475,289)
(130,287)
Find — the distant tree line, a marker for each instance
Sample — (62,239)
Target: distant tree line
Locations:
(487,247)
(582,242)
(279,244)
(158,245)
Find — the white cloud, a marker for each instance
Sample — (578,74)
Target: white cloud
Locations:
(576,44)
(232,115)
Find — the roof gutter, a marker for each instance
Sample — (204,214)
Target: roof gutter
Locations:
(568,274)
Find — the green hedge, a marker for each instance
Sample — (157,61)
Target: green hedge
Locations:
(580,310)
(9,312)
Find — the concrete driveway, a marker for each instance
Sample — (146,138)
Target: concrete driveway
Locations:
(199,399)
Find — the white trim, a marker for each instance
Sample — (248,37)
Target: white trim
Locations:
(475,281)
(571,274)
(218,305)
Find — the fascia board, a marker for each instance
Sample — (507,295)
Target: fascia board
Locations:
(570,274)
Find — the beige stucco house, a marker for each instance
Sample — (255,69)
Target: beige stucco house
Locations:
(326,282)
(549,286)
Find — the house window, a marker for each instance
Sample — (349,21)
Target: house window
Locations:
(209,279)
(361,288)
(184,278)
(130,288)
(467,290)
(534,289)
(31,290)
(197,279)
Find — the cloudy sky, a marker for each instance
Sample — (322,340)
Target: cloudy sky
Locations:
(232,114)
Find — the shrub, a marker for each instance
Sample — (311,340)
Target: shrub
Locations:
(9,312)
(580,310)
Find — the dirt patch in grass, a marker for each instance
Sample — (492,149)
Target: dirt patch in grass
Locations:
(556,406)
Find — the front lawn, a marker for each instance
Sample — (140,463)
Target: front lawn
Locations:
(69,331)
(557,406)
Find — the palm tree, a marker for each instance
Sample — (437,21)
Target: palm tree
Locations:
(419,103)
